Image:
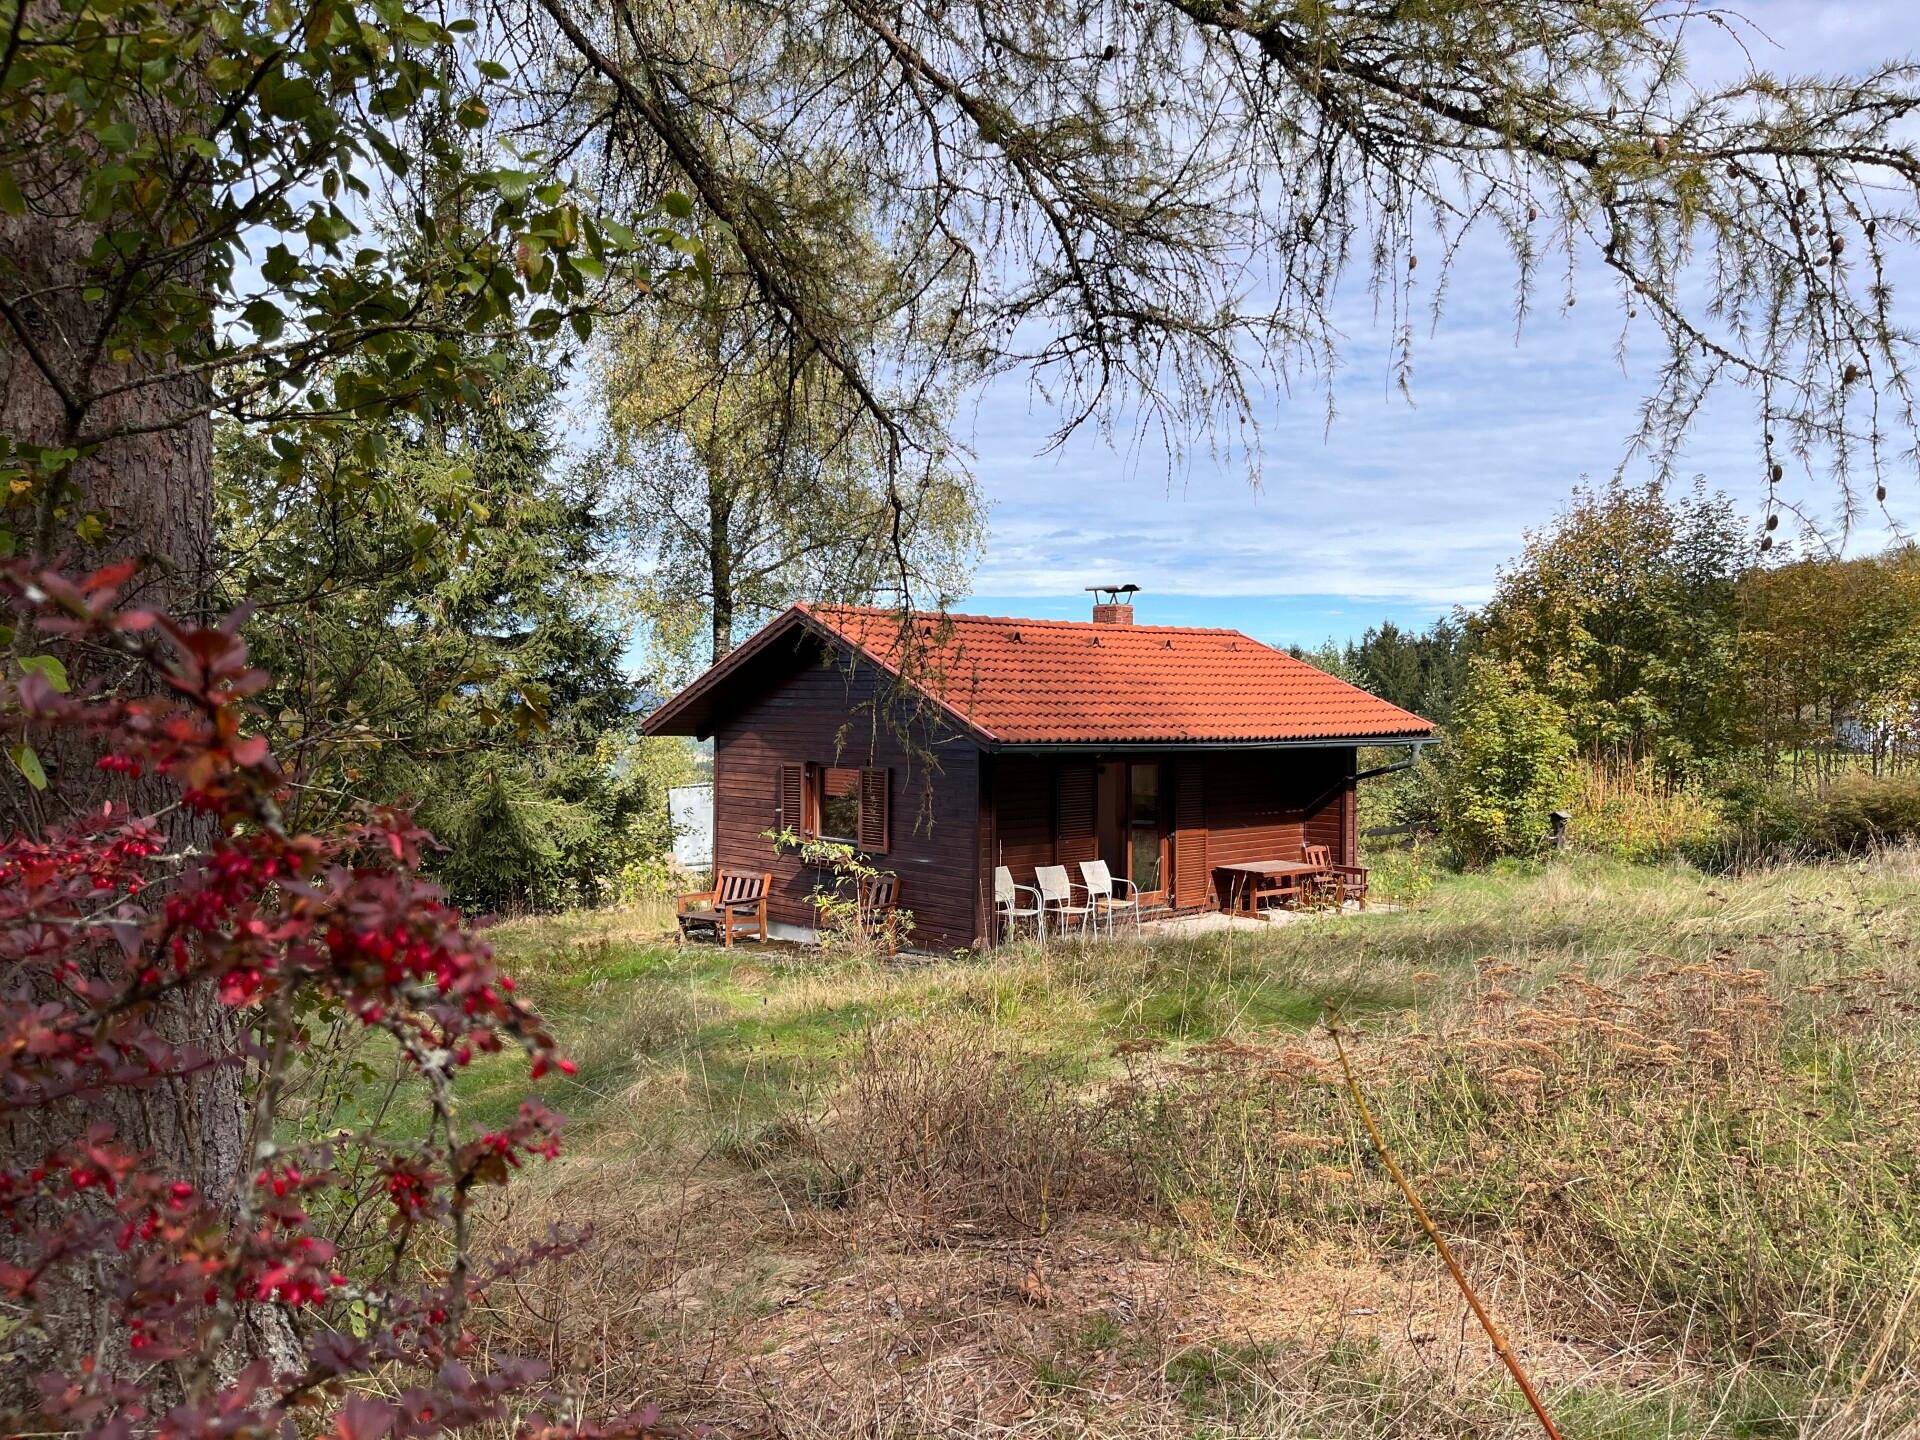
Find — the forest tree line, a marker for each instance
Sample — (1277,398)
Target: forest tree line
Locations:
(1642,645)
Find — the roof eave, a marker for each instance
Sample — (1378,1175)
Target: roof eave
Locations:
(662,720)
(1111,747)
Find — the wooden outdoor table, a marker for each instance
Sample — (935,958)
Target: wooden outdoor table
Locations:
(1250,882)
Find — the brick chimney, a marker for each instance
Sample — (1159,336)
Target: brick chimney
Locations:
(1113,604)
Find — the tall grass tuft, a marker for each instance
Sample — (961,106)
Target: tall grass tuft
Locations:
(942,1132)
(1631,814)
(1686,1152)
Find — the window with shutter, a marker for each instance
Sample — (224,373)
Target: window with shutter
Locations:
(790,802)
(837,805)
(1189,835)
(873,810)
(1074,838)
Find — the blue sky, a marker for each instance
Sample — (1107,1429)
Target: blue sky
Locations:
(1399,509)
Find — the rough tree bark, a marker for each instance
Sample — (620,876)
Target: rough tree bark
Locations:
(720,569)
(152,489)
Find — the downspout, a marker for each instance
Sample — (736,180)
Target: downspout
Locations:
(1398,765)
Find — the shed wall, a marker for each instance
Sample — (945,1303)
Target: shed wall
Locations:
(799,719)
(1224,807)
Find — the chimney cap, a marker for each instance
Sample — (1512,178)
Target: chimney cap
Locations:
(1110,594)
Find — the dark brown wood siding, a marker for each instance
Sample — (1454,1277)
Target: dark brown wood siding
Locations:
(1023,814)
(1192,876)
(1225,807)
(933,840)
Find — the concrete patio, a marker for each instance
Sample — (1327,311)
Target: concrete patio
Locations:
(1206,922)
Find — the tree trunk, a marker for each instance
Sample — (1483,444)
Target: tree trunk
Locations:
(152,491)
(720,568)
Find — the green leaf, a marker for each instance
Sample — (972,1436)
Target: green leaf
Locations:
(677,205)
(48,667)
(265,319)
(28,765)
(11,200)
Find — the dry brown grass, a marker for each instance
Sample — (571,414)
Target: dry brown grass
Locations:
(943,1133)
(1687,1153)
(1683,1172)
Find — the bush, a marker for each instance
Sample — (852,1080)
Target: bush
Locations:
(1504,768)
(138,1275)
(1632,815)
(1765,823)
(1861,812)
(944,1133)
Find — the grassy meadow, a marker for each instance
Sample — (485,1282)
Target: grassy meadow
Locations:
(1670,1121)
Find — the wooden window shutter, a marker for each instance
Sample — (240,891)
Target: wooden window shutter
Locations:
(1190,877)
(791,804)
(873,810)
(1074,839)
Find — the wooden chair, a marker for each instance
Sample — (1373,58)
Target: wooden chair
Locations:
(879,902)
(1350,883)
(737,904)
(1342,882)
(1319,887)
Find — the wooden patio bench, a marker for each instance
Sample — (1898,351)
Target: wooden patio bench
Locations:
(737,904)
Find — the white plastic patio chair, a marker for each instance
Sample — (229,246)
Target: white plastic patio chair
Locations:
(1057,898)
(1107,900)
(1006,903)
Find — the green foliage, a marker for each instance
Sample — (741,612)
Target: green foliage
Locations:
(1769,821)
(1421,671)
(845,919)
(1504,768)
(446,629)
(749,476)
(1625,613)
(1634,815)
(1831,649)
(1862,811)
(191,185)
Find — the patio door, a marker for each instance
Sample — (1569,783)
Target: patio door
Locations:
(1130,830)
(1146,830)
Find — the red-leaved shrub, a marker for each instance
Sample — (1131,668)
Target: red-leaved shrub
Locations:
(105,922)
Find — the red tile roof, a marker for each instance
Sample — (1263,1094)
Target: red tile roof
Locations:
(1025,682)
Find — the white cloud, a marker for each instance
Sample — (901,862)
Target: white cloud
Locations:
(1419,502)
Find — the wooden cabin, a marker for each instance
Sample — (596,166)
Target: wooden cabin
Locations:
(946,745)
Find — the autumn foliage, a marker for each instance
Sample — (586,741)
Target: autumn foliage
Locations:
(106,919)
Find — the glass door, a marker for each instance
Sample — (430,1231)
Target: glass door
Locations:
(1146,842)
